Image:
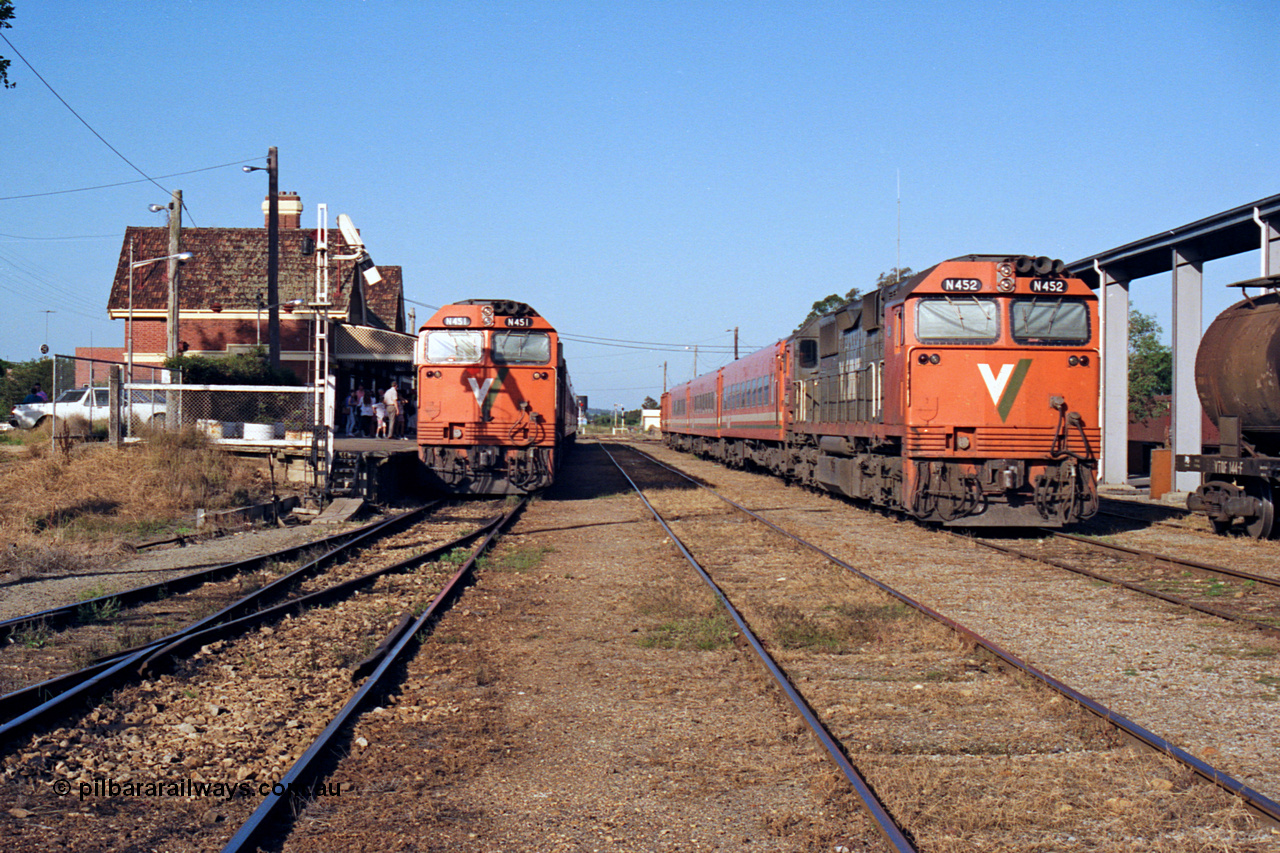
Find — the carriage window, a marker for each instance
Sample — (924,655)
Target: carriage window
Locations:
(452,347)
(957,319)
(521,348)
(1045,320)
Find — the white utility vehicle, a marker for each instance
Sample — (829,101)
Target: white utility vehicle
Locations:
(147,406)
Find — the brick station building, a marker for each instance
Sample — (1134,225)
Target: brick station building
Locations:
(222,298)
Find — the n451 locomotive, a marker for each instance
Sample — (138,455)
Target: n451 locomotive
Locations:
(966,395)
(496,409)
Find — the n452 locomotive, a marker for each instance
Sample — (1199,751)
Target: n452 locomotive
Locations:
(966,395)
(496,409)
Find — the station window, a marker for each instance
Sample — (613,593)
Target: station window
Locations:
(521,348)
(957,319)
(447,346)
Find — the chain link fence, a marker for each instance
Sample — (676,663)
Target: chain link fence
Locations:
(157,399)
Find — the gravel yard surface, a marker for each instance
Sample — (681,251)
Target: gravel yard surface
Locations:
(1206,685)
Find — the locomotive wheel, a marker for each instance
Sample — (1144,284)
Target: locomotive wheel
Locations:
(1261,526)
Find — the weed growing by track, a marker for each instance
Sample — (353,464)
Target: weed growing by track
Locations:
(684,620)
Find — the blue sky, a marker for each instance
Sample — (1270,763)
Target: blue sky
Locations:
(639,171)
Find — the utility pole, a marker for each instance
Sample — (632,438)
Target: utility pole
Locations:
(735,343)
(273,257)
(175,236)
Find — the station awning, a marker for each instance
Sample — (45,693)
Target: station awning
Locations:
(366,343)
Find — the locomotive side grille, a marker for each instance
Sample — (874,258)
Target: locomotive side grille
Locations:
(1030,441)
(1003,441)
(927,444)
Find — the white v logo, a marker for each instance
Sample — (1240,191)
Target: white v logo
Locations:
(481,390)
(995,384)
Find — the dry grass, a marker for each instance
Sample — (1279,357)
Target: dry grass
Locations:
(683,617)
(62,505)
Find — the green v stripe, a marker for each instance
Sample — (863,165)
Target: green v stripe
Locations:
(1011,390)
(493,391)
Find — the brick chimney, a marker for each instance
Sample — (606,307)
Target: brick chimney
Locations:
(290,210)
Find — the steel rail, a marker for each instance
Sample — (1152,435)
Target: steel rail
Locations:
(893,833)
(269,816)
(70,613)
(1173,561)
(1255,801)
(29,706)
(1129,585)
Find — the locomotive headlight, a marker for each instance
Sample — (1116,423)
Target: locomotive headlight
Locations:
(924,358)
(1073,360)
(1005,284)
(1005,269)
(1084,360)
(935,358)
(457,432)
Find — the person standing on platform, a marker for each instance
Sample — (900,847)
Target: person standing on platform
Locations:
(392,401)
(353,411)
(366,413)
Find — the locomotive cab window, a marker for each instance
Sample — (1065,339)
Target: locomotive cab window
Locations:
(521,348)
(447,346)
(957,320)
(1045,320)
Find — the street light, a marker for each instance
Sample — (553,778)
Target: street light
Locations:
(273,252)
(133,265)
(287,306)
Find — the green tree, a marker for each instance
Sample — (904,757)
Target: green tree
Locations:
(830,303)
(18,379)
(243,368)
(1150,367)
(649,403)
(6,13)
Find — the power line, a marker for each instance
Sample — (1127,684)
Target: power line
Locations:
(127,183)
(76,114)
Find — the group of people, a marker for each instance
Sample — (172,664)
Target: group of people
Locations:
(36,396)
(387,415)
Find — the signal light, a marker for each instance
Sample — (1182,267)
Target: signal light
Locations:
(934,359)
(1073,360)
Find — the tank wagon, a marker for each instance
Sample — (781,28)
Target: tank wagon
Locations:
(965,395)
(1238,381)
(496,409)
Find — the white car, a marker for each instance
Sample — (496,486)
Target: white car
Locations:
(92,404)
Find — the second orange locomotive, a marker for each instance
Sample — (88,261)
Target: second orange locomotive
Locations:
(966,394)
(496,409)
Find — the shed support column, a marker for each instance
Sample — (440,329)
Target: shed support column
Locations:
(1185,417)
(1115,380)
(1271,240)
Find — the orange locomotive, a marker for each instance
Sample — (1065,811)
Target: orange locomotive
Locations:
(966,395)
(495,406)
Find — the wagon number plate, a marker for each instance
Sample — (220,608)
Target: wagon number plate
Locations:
(1048,285)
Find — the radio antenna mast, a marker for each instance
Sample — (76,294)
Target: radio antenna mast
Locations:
(897,262)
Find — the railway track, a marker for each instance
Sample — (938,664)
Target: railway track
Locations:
(853,725)
(1245,597)
(236,713)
